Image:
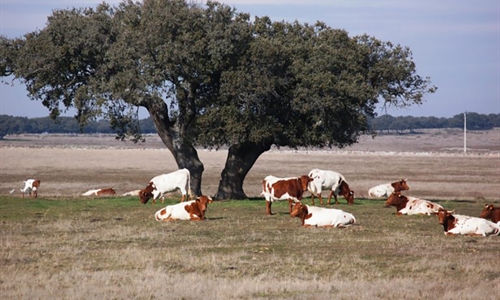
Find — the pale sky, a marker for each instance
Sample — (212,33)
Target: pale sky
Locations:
(455,42)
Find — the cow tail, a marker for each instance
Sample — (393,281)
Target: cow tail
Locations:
(190,191)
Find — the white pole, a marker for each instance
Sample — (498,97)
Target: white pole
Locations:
(465,132)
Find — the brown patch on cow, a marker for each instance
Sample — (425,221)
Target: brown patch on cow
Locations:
(490,212)
(398,200)
(295,187)
(342,190)
(146,193)
(36,184)
(106,192)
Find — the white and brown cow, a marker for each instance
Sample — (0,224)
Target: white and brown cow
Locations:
(100,192)
(313,216)
(291,189)
(329,180)
(159,185)
(31,187)
(491,212)
(386,189)
(193,210)
(466,225)
(411,205)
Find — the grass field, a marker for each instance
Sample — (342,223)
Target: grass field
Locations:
(112,248)
(65,246)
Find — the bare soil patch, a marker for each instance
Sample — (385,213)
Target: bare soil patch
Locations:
(433,162)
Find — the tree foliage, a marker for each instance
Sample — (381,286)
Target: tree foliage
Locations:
(211,77)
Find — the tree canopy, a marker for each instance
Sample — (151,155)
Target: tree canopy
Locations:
(210,76)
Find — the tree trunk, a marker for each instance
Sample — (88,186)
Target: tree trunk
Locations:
(185,155)
(240,159)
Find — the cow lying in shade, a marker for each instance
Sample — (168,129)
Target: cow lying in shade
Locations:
(31,187)
(385,190)
(276,189)
(193,210)
(465,225)
(100,192)
(411,205)
(491,212)
(322,217)
(332,181)
(159,185)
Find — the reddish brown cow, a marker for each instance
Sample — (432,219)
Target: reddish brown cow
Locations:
(491,212)
(106,192)
(411,205)
(291,189)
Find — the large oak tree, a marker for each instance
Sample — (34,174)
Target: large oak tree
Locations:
(211,77)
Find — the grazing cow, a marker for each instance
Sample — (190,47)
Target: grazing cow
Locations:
(165,183)
(193,210)
(385,190)
(491,212)
(291,189)
(465,225)
(322,217)
(132,193)
(31,187)
(411,205)
(100,192)
(329,180)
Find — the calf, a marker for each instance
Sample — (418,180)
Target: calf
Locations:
(385,190)
(465,225)
(491,212)
(291,189)
(329,180)
(411,205)
(100,192)
(162,184)
(193,210)
(31,187)
(322,217)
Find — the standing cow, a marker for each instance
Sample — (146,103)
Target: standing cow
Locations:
(291,189)
(329,180)
(386,189)
(160,185)
(31,187)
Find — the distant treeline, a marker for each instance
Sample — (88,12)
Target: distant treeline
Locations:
(387,123)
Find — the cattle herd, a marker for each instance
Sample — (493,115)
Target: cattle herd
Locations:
(292,189)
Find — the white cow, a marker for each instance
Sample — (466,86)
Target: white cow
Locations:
(322,217)
(190,210)
(466,225)
(329,180)
(411,205)
(160,185)
(132,193)
(30,187)
(386,189)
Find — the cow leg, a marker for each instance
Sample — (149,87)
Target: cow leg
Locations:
(268,207)
(290,205)
(330,197)
(312,198)
(183,198)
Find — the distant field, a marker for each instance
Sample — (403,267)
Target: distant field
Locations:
(65,246)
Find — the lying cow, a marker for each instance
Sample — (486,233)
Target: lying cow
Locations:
(160,185)
(100,192)
(385,190)
(193,210)
(291,189)
(465,225)
(31,187)
(491,212)
(322,217)
(329,180)
(411,205)
(132,193)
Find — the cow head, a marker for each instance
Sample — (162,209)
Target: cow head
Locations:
(203,202)
(147,193)
(444,215)
(487,211)
(401,185)
(298,210)
(395,199)
(35,186)
(347,192)
(304,181)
